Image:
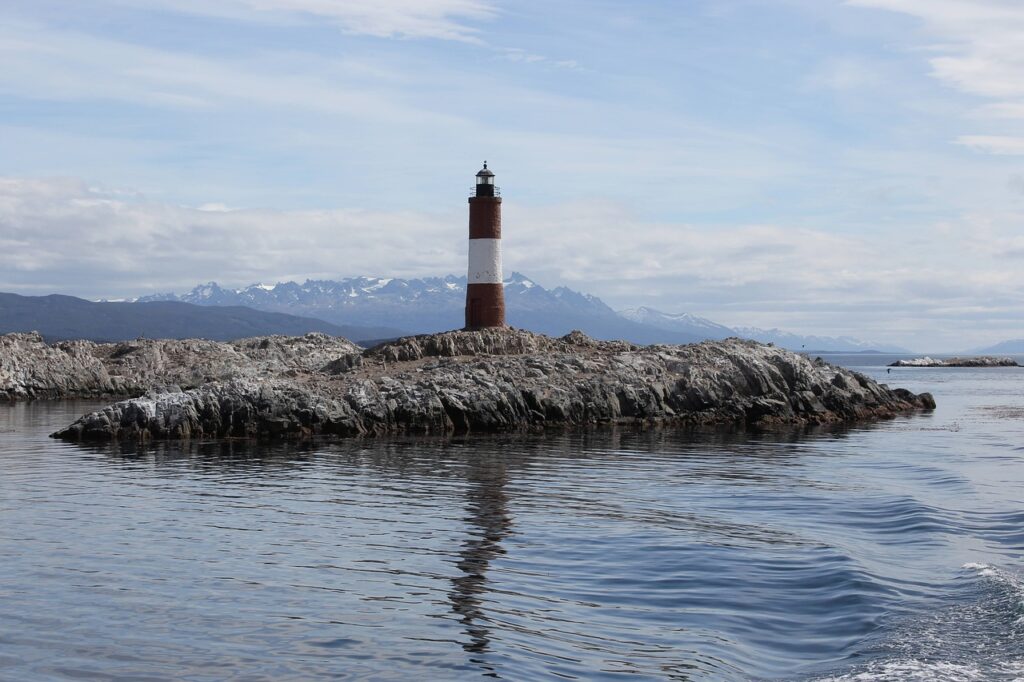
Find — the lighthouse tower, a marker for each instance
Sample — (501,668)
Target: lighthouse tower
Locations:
(485,294)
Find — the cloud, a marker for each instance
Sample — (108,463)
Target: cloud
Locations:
(63,235)
(846,74)
(978,53)
(621,248)
(438,19)
(1016,183)
(994,144)
(1002,110)
(515,54)
(53,64)
(829,211)
(902,288)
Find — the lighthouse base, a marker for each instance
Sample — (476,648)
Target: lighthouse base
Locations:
(485,306)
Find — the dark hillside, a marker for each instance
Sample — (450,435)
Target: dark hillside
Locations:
(66,317)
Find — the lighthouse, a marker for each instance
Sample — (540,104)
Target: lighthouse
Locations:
(485,294)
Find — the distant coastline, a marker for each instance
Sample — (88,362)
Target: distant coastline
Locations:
(979,361)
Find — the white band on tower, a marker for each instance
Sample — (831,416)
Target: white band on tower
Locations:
(485,261)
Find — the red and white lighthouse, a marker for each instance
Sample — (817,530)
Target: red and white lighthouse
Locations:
(485,293)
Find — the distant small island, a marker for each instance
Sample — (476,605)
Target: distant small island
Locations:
(981,361)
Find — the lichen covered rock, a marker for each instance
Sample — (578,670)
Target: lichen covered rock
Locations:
(503,380)
(32,369)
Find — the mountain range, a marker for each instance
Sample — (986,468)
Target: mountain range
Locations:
(1012,347)
(848,344)
(434,304)
(66,317)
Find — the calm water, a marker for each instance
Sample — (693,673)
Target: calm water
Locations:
(885,552)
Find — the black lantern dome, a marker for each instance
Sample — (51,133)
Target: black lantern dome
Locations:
(485,182)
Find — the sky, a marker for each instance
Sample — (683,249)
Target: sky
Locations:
(840,167)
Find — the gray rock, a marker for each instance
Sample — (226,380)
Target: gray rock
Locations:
(499,380)
(29,368)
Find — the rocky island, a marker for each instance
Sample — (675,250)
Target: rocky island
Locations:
(982,361)
(453,382)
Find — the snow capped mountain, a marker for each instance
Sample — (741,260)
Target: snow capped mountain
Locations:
(677,321)
(329,292)
(785,339)
(432,304)
(698,325)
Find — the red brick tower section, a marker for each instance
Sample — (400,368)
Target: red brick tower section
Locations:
(485,293)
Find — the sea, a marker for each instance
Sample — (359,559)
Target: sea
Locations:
(884,551)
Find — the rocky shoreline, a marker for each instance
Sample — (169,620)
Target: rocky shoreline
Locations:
(455,382)
(980,361)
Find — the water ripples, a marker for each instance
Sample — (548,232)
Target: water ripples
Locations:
(882,552)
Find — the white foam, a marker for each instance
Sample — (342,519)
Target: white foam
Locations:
(1015,584)
(926,647)
(934,671)
(983,570)
(1002,577)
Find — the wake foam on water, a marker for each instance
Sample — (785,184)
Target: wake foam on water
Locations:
(1013,585)
(982,639)
(916,670)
